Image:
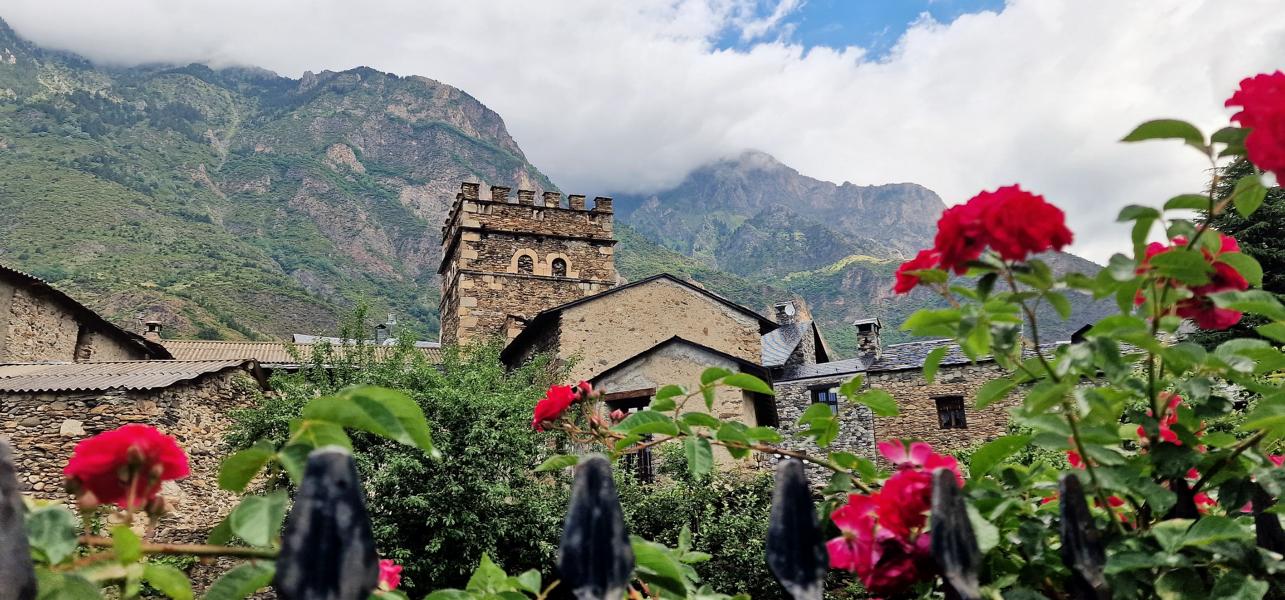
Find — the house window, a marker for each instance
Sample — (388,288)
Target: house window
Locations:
(526,264)
(559,267)
(950,412)
(642,463)
(829,396)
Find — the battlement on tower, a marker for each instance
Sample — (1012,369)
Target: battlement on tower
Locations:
(548,215)
(508,256)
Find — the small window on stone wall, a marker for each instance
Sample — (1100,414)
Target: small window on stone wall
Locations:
(559,267)
(950,412)
(525,264)
(830,396)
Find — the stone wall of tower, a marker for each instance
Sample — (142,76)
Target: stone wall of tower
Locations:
(507,258)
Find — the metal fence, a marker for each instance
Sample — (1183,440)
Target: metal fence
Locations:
(328,550)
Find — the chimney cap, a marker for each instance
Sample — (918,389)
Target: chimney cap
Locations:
(867,324)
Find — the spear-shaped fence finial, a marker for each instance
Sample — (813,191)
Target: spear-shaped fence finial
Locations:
(795,550)
(1082,549)
(595,559)
(17,579)
(327,549)
(954,544)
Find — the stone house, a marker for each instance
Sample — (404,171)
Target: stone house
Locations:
(45,409)
(39,323)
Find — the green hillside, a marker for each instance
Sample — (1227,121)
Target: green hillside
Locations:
(237,203)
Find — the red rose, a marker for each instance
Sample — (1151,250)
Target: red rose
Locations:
(390,575)
(125,466)
(1019,224)
(1262,102)
(555,402)
(960,234)
(1225,278)
(906,281)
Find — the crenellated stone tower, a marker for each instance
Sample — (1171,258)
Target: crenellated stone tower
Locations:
(504,260)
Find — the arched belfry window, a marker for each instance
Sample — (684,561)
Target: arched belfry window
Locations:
(559,267)
(526,264)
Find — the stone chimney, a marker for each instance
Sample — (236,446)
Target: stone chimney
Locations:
(152,331)
(381,334)
(786,312)
(868,341)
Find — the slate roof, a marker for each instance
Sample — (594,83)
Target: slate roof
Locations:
(895,357)
(84,313)
(825,369)
(302,338)
(103,376)
(269,354)
(780,343)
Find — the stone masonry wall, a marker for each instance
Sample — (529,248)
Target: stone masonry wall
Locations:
(856,422)
(682,365)
(918,408)
(43,428)
(602,334)
(38,329)
(485,301)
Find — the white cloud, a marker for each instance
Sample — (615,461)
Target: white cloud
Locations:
(610,97)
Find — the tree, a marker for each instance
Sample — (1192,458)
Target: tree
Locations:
(438,517)
(1261,236)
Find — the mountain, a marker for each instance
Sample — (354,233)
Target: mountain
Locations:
(237,203)
(837,246)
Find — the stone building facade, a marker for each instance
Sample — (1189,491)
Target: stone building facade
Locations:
(39,323)
(596,333)
(46,409)
(506,259)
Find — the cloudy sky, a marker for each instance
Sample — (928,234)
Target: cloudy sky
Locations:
(608,96)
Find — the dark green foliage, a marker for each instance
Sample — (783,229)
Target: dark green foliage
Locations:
(728,515)
(437,518)
(1261,236)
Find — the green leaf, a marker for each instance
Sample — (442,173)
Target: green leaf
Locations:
(1133,212)
(221,535)
(1188,202)
(1238,586)
(1275,331)
(488,577)
(1170,533)
(294,458)
(1249,194)
(237,470)
(318,434)
(51,532)
(257,519)
(241,581)
(992,391)
(994,452)
(1210,529)
(932,361)
(933,323)
(450,595)
(657,566)
(713,374)
(64,586)
(126,544)
(169,580)
(647,421)
(879,401)
(558,463)
(1269,413)
(700,456)
(530,581)
(699,419)
(386,413)
(1185,265)
(1182,584)
(669,392)
(1060,304)
(763,434)
(1246,265)
(985,531)
(748,383)
(1167,129)
(736,439)
(1256,302)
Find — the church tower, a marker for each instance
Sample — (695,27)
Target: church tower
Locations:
(504,261)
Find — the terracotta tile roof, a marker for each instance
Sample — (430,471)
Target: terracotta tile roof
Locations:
(269,354)
(102,376)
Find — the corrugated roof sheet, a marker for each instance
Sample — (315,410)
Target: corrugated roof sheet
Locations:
(102,376)
(269,354)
